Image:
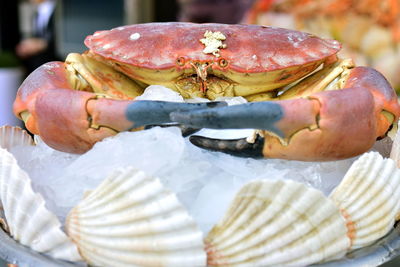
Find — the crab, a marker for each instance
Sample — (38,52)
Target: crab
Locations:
(305,103)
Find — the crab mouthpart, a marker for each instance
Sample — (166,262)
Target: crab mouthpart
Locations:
(201,81)
(201,71)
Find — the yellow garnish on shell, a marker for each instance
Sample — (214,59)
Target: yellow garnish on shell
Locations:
(213,42)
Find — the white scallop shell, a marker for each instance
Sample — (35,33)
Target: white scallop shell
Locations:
(11,136)
(395,152)
(130,219)
(30,223)
(278,223)
(369,198)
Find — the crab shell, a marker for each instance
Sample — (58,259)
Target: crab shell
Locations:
(246,61)
(250,55)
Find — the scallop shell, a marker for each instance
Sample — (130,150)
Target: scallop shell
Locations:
(278,223)
(130,219)
(29,222)
(395,152)
(11,136)
(369,198)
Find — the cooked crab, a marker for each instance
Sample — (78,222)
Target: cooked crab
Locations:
(310,105)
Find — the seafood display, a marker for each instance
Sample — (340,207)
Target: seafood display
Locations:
(368,29)
(301,92)
(305,104)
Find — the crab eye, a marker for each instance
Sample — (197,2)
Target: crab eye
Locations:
(223,62)
(180,61)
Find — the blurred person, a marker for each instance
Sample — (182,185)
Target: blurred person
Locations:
(216,11)
(40,47)
(9,26)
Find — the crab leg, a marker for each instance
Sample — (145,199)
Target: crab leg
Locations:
(327,125)
(72,121)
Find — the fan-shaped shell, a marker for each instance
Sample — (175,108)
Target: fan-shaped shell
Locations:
(369,198)
(11,136)
(132,220)
(395,152)
(29,222)
(278,223)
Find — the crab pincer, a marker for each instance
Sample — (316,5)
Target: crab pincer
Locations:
(327,125)
(73,121)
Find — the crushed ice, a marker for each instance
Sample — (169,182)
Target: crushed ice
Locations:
(204,181)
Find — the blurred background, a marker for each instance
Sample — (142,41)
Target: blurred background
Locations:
(33,32)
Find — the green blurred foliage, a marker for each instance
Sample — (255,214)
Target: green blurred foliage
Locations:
(8,60)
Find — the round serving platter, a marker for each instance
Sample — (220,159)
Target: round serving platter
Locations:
(382,251)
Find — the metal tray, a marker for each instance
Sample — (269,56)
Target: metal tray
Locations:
(384,250)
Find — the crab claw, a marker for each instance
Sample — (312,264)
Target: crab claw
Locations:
(146,112)
(258,115)
(327,125)
(72,121)
(236,147)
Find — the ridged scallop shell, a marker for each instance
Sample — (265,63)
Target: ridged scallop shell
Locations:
(369,198)
(11,136)
(395,152)
(278,223)
(29,222)
(130,219)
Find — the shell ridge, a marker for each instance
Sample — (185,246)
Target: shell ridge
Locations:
(149,190)
(165,242)
(251,213)
(103,190)
(116,181)
(240,204)
(28,235)
(7,197)
(160,224)
(385,171)
(350,189)
(167,202)
(362,208)
(372,213)
(250,196)
(382,216)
